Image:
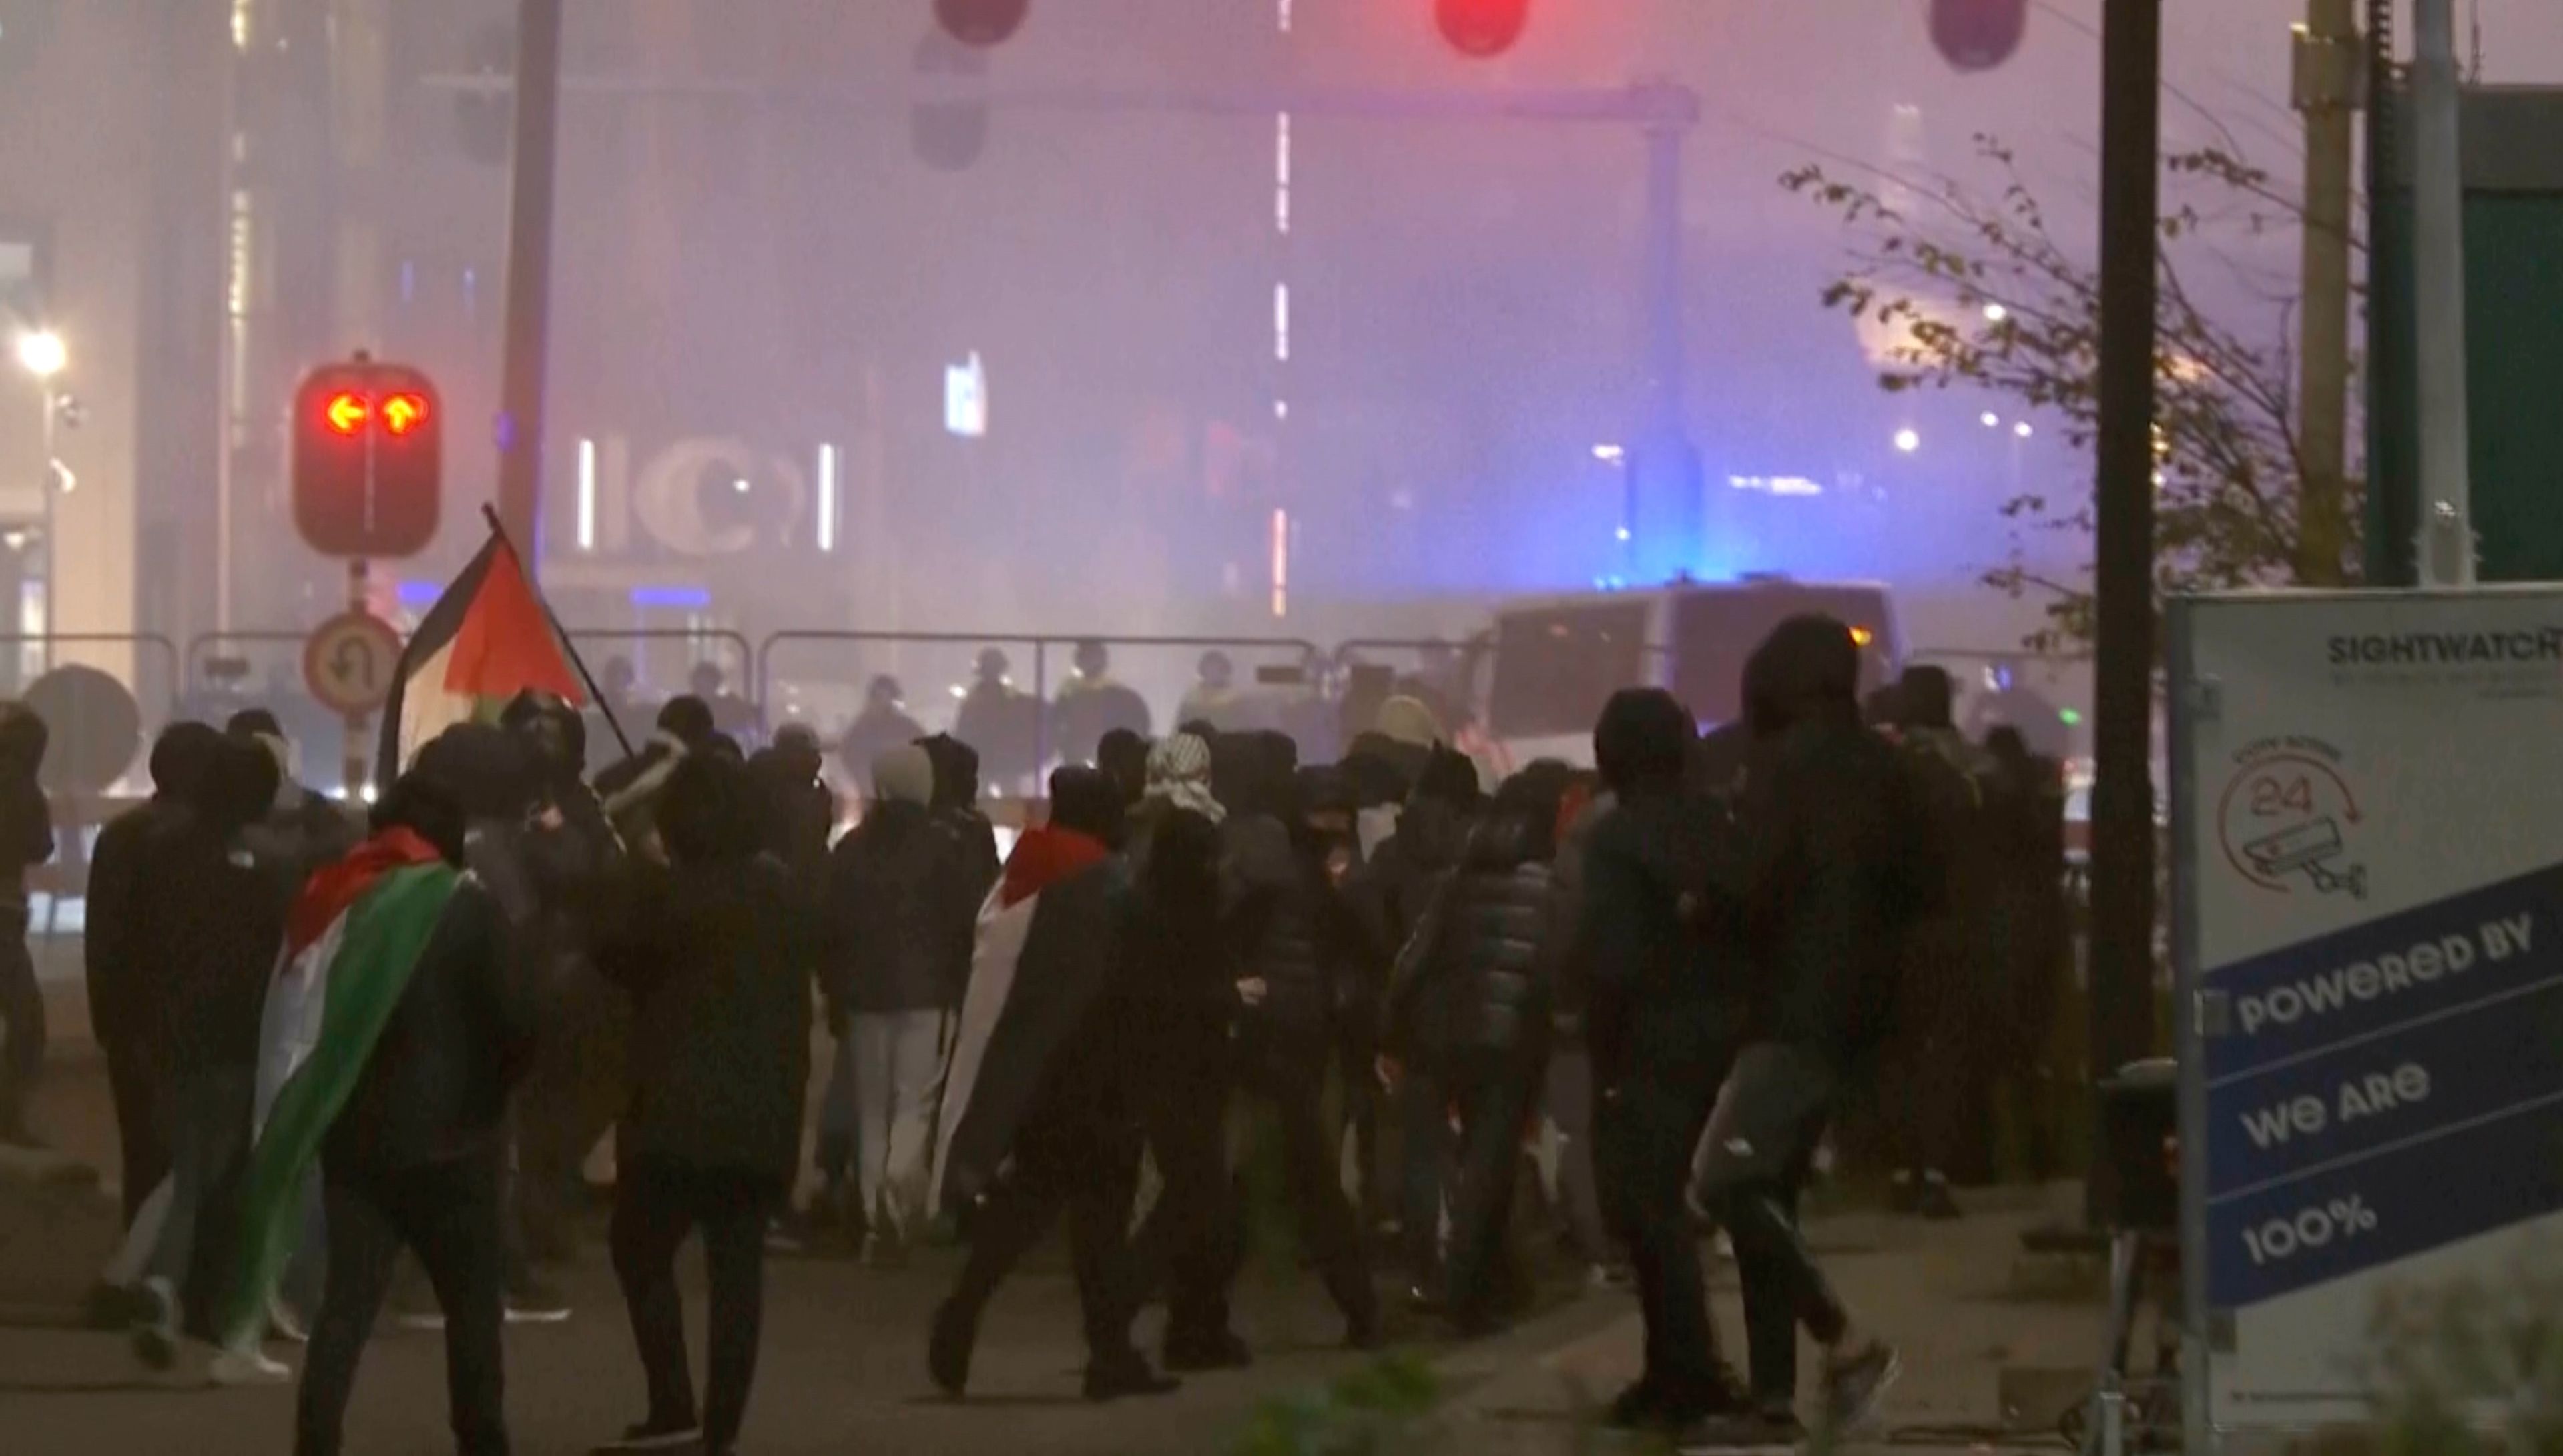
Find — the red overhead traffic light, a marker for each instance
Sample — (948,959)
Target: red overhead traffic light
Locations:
(368,459)
(1481,27)
(1978,35)
(347,412)
(981,22)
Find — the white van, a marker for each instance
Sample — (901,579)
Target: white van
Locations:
(1549,663)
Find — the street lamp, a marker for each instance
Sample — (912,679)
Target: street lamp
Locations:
(42,353)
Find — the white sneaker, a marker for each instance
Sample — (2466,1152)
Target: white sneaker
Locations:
(239,1367)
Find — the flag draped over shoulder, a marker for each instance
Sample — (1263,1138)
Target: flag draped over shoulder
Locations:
(486,639)
(1045,950)
(350,942)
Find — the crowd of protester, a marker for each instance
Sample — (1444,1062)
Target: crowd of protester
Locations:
(1658,991)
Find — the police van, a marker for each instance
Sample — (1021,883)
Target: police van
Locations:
(1549,663)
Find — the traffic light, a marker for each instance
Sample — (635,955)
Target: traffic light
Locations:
(1481,27)
(1978,35)
(368,459)
(981,22)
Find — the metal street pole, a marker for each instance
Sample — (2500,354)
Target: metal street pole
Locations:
(2123,799)
(2447,547)
(529,275)
(2328,63)
(53,537)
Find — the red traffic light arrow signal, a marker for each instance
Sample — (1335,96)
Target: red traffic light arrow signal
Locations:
(1481,27)
(368,459)
(347,412)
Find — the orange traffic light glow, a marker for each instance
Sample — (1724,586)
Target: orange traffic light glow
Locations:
(403,413)
(346,411)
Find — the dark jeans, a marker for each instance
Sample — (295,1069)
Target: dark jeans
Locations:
(21,1024)
(1189,1243)
(657,1205)
(143,1148)
(1644,1132)
(1752,1162)
(1425,1166)
(1085,1170)
(1294,1081)
(449,1214)
(1494,1106)
(1568,1101)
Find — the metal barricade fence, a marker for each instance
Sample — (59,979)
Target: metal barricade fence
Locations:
(96,746)
(1010,714)
(229,673)
(640,668)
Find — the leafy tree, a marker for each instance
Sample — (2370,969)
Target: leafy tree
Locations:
(1978,292)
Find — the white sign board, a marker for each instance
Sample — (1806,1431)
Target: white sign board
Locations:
(2368,826)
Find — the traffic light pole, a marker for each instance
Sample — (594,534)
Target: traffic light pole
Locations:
(352,760)
(529,273)
(2121,937)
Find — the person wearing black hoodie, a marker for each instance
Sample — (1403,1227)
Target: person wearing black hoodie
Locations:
(957,809)
(1831,870)
(416,1158)
(210,926)
(1297,940)
(119,980)
(1390,894)
(26,841)
(719,955)
(1659,969)
(1486,958)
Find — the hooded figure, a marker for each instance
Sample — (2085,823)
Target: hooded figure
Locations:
(304,830)
(1938,1064)
(26,841)
(1469,1003)
(120,985)
(1038,1085)
(1001,721)
(1661,968)
(956,808)
(718,955)
(900,906)
(631,789)
(208,927)
(1829,873)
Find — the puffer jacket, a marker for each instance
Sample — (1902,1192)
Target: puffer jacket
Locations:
(1285,911)
(898,913)
(1479,977)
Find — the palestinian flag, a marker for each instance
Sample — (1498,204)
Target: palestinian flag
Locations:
(1046,944)
(350,942)
(486,639)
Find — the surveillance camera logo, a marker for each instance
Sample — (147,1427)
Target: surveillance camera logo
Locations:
(2289,820)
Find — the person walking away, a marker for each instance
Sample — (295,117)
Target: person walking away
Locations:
(1002,721)
(2030,940)
(1936,1064)
(1390,894)
(1071,1143)
(1487,950)
(797,807)
(1566,1094)
(26,841)
(1296,939)
(1090,704)
(957,809)
(1830,871)
(211,921)
(574,1089)
(305,828)
(119,981)
(719,955)
(1183,995)
(1660,975)
(1123,755)
(414,1104)
(896,886)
